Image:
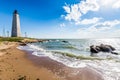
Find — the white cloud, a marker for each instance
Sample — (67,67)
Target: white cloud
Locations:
(89,21)
(116,4)
(87,32)
(88,5)
(98,19)
(99,29)
(67,8)
(106,25)
(109,3)
(106,3)
(62,25)
(74,12)
(98,34)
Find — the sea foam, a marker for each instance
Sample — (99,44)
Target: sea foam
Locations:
(110,69)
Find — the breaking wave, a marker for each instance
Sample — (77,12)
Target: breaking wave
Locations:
(107,64)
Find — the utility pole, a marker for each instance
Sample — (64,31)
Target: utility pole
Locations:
(4,32)
(25,34)
(7,33)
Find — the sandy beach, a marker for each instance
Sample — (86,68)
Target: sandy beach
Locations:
(20,65)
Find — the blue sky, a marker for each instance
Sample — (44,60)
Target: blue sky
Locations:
(63,18)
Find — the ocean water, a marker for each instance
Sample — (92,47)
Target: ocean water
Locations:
(109,67)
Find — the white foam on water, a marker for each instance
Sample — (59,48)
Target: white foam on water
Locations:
(108,55)
(35,47)
(38,53)
(110,69)
(26,48)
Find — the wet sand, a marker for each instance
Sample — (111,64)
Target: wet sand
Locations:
(63,71)
(16,64)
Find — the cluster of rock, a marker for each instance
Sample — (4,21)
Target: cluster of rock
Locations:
(26,41)
(102,48)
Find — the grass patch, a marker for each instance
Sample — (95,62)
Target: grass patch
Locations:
(11,39)
(0,42)
(15,39)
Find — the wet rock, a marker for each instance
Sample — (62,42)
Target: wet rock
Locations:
(102,48)
(65,41)
(23,44)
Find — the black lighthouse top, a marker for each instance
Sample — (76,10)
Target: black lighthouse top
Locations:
(15,12)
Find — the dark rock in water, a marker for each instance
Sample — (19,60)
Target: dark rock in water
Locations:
(106,48)
(65,41)
(102,48)
(22,44)
(114,53)
(93,49)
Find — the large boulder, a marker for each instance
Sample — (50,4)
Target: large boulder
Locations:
(106,48)
(94,49)
(102,48)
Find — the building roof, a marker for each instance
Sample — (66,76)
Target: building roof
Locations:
(15,12)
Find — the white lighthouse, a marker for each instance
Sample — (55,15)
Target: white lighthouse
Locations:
(15,25)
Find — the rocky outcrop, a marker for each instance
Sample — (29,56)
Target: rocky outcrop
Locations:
(102,48)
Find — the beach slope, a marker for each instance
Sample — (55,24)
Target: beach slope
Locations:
(19,65)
